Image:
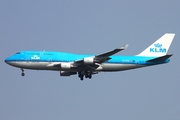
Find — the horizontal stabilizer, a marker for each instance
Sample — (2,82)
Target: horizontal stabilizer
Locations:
(160,59)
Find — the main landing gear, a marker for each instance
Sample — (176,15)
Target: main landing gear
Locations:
(23,74)
(84,73)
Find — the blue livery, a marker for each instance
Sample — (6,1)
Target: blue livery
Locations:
(85,65)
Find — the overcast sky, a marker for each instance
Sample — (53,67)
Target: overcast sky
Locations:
(93,27)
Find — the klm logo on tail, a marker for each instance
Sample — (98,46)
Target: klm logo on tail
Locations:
(158,48)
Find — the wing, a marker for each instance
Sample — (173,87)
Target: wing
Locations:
(107,54)
(92,63)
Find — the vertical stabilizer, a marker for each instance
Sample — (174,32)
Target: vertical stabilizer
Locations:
(159,47)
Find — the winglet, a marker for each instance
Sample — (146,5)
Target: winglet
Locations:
(125,46)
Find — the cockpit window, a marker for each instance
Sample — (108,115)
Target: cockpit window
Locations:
(18,53)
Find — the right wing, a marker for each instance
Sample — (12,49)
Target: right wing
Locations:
(91,63)
(107,54)
(102,57)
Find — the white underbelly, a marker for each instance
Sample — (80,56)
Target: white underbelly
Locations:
(119,67)
(48,66)
(33,65)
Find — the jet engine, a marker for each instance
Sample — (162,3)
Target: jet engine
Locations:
(65,66)
(89,60)
(67,73)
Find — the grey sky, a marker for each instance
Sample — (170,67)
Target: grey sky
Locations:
(89,27)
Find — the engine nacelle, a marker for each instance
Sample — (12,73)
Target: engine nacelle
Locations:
(65,66)
(67,73)
(89,60)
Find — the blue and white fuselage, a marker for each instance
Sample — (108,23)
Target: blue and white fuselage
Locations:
(45,60)
(87,64)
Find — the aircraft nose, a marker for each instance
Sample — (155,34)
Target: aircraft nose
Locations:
(10,61)
(6,60)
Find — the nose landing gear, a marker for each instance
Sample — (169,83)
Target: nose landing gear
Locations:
(22,74)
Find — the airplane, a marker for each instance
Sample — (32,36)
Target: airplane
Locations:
(85,65)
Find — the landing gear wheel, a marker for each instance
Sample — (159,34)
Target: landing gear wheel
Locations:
(86,76)
(90,76)
(81,75)
(22,74)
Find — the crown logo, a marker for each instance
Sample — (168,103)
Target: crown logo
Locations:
(35,57)
(158,45)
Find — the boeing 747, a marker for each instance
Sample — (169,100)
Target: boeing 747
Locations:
(85,65)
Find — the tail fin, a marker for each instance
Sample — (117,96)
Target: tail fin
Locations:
(159,47)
